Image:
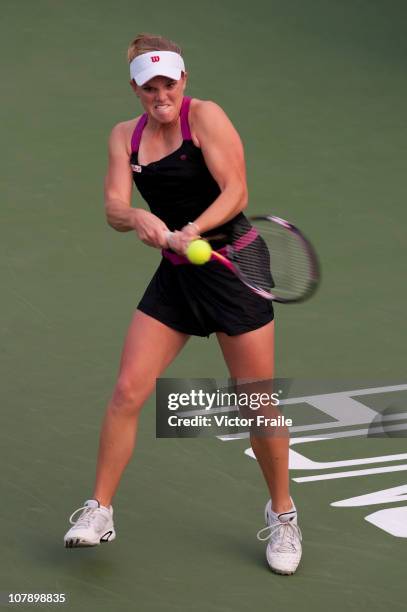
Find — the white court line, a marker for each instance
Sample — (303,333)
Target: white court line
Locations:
(352,473)
(305,399)
(356,392)
(349,433)
(336,434)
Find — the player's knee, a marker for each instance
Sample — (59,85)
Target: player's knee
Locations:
(126,397)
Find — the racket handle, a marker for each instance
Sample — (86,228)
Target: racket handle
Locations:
(216,256)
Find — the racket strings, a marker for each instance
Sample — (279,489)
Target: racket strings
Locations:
(276,262)
(253,261)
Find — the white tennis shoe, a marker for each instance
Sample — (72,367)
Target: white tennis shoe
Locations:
(93,526)
(284,549)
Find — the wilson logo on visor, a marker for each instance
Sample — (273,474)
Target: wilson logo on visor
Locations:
(155,58)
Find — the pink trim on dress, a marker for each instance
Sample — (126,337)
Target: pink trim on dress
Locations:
(178,260)
(138,130)
(238,245)
(246,239)
(174,258)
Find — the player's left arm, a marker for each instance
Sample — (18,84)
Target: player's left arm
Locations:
(223,152)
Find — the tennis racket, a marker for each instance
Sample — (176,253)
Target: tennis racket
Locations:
(273,258)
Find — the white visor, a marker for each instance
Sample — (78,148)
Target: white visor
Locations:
(156,63)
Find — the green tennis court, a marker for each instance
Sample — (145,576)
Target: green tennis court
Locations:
(317,90)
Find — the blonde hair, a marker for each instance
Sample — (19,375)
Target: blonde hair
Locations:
(144,43)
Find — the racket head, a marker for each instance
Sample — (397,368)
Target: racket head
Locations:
(274,259)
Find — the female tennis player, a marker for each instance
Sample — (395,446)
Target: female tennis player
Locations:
(186,160)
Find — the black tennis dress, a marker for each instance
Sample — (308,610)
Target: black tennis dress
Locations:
(196,300)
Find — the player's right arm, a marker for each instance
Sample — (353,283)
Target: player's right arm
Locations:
(118,183)
(118,190)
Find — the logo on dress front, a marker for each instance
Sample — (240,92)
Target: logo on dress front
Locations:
(135,168)
(155,58)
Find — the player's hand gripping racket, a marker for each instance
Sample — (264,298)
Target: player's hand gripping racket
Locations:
(274,259)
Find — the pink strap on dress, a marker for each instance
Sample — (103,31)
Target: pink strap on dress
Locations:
(138,130)
(186,132)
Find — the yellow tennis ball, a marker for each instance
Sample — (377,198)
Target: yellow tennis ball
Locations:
(199,252)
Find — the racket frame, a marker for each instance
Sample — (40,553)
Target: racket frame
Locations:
(314,267)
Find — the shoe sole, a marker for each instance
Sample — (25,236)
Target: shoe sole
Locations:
(109,536)
(280,572)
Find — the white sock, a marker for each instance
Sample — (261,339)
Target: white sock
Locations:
(284,517)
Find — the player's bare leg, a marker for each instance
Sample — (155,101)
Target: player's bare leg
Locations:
(149,348)
(251,355)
